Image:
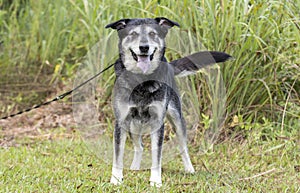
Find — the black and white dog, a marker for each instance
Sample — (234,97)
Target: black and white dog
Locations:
(145,92)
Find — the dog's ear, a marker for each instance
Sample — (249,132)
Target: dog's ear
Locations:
(121,24)
(166,22)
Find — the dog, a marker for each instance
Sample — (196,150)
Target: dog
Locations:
(145,92)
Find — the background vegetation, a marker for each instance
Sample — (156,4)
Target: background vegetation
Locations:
(43,42)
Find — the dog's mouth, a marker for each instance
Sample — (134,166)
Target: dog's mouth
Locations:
(143,60)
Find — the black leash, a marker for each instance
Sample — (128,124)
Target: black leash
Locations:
(58,97)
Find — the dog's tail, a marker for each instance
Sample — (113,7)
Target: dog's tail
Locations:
(192,63)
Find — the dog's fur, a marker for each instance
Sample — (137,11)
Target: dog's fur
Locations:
(145,92)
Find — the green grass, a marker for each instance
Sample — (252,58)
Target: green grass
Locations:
(67,166)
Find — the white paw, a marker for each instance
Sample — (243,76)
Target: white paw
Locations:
(156,184)
(155,179)
(116,181)
(190,170)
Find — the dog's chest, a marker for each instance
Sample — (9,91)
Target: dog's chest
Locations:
(142,99)
(148,101)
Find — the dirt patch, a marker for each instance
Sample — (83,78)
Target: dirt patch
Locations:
(52,121)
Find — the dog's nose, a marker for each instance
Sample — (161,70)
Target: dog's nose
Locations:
(144,48)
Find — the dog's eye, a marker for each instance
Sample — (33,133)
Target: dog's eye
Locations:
(152,33)
(134,33)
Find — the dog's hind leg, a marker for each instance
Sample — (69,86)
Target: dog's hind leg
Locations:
(138,151)
(119,146)
(157,138)
(177,120)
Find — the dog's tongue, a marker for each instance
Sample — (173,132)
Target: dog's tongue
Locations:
(143,63)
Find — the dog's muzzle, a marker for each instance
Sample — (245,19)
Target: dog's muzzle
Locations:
(143,60)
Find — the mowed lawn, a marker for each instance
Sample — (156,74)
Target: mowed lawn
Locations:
(66,165)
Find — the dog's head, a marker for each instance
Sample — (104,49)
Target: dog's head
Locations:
(142,42)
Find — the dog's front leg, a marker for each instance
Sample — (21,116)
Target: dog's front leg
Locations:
(157,138)
(119,146)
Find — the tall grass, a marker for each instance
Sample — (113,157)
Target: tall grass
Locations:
(44,41)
